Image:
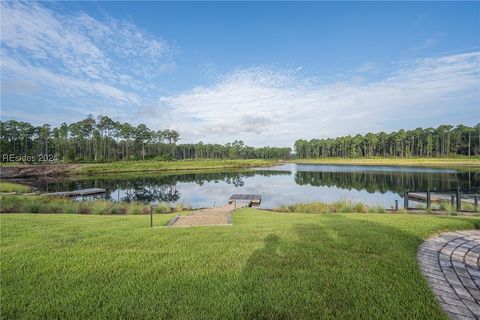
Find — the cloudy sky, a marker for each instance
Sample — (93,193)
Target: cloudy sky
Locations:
(266,73)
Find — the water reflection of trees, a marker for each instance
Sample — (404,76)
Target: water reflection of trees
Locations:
(375,181)
(162,188)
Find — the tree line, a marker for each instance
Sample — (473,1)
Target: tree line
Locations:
(444,141)
(103,139)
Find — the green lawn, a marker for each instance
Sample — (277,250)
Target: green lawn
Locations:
(462,162)
(267,266)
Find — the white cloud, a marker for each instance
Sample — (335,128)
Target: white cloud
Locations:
(76,63)
(65,85)
(76,55)
(264,106)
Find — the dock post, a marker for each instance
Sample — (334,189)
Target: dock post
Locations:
(151,216)
(429,198)
(405,200)
(396,205)
(475,200)
(459,200)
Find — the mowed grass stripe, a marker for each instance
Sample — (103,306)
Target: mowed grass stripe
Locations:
(268,265)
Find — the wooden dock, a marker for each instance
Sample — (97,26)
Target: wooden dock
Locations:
(76,193)
(251,199)
(435,197)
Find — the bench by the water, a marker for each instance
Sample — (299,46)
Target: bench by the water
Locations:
(252,199)
(76,193)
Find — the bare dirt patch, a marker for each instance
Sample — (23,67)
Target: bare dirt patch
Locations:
(207,217)
(43,170)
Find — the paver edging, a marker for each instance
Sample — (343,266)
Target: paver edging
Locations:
(455,284)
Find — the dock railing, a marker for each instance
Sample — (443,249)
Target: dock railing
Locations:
(456,197)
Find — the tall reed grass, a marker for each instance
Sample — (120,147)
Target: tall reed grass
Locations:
(13,187)
(44,204)
(342,206)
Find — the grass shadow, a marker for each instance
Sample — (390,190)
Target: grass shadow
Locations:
(342,268)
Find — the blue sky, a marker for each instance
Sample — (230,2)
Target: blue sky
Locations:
(268,73)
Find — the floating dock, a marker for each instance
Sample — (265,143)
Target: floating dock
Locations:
(251,199)
(77,193)
(436,197)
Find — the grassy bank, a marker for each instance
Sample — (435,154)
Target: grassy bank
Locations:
(268,265)
(46,204)
(152,165)
(13,187)
(342,206)
(345,206)
(470,162)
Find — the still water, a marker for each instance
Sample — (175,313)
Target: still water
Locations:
(285,184)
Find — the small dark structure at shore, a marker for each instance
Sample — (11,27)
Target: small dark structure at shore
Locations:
(252,199)
(454,197)
(76,193)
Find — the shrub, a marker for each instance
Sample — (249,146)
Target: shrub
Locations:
(360,208)
(32,207)
(83,208)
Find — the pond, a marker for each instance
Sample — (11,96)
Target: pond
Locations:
(285,184)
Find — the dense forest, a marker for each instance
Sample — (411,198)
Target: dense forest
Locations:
(104,139)
(443,141)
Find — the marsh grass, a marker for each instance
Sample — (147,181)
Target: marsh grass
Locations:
(13,187)
(342,206)
(44,204)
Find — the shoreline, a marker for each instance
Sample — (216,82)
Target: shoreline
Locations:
(89,169)
(470,163)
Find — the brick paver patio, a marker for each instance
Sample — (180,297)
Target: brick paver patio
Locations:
(450,263)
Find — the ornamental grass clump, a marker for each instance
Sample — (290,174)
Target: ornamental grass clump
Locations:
(45,204)
(342,206)
(135,208)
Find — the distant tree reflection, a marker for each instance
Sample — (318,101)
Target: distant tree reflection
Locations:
(380,181)
(161,188)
